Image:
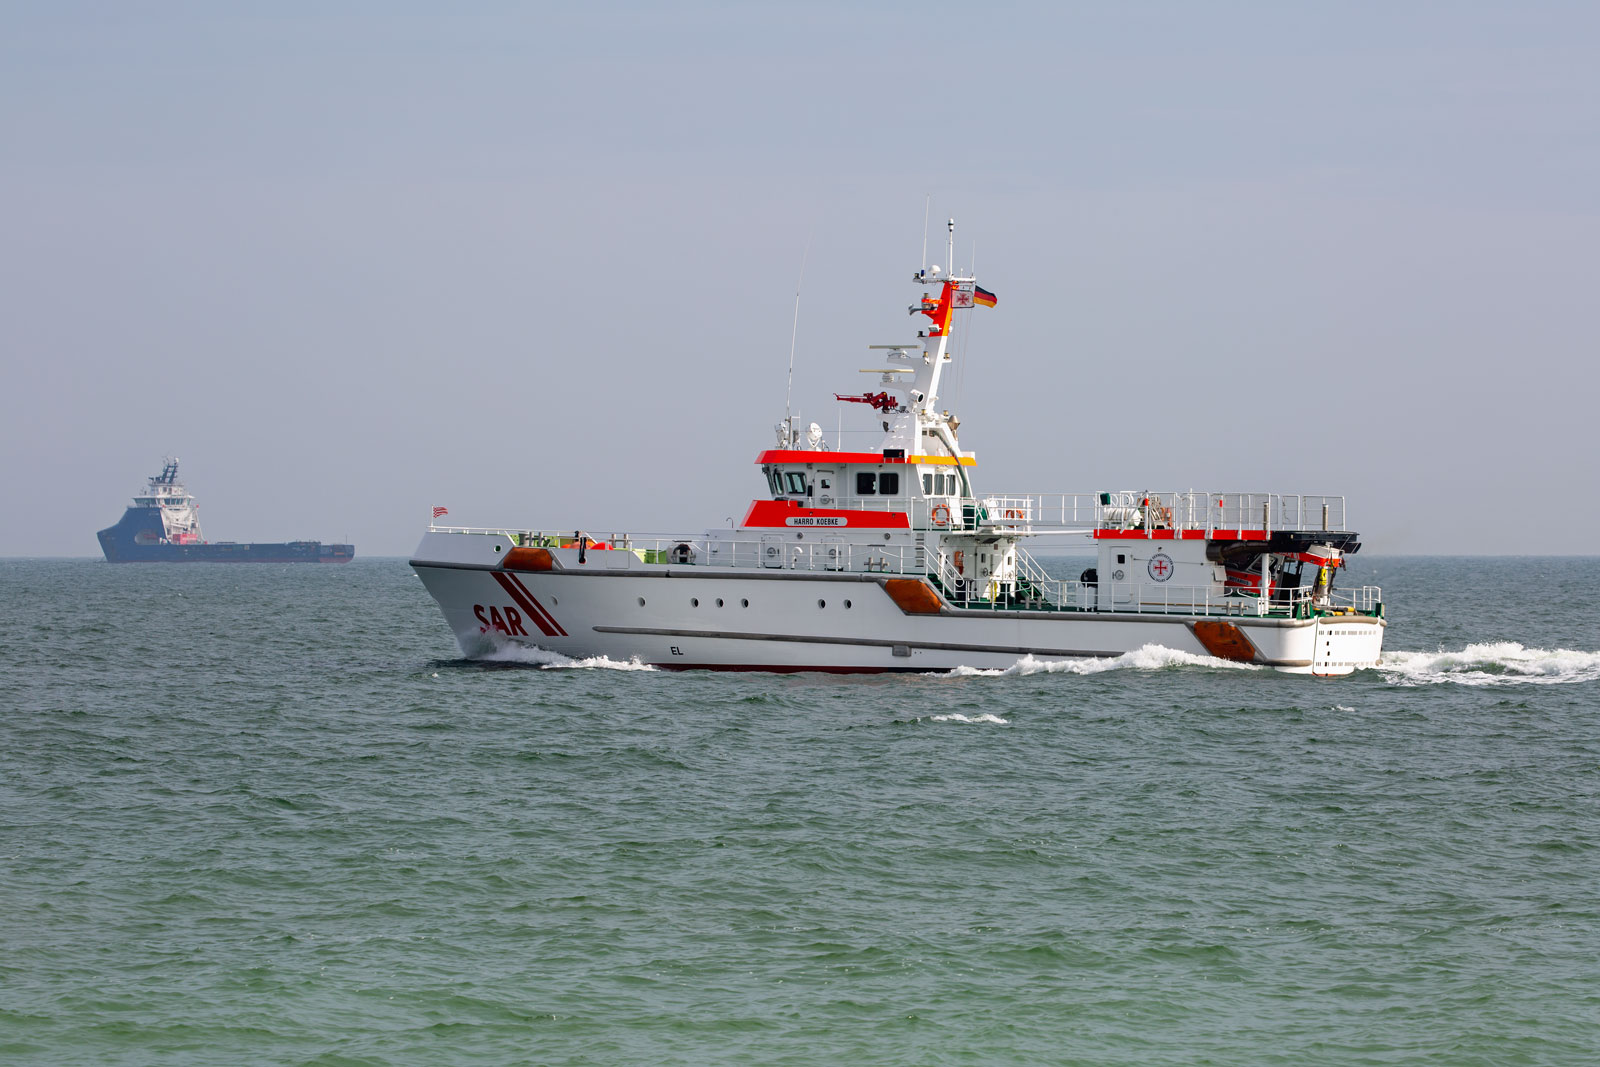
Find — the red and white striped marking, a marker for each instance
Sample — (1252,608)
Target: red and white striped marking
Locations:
(529,603)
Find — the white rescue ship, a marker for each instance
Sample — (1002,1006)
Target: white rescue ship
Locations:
(892,560)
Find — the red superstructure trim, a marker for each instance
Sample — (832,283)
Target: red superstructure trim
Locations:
(774,513)
(796,455)
(829,459)
(1180,535)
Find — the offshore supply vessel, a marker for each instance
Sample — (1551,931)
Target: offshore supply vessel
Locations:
(891,560)
(162,525)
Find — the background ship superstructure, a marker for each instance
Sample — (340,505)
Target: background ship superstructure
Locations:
(162,525)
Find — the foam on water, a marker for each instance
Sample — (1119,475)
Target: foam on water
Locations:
(1491,663)
(1148,658)
(958,717)
(535,656)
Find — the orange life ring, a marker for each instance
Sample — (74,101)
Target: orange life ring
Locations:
(1013,513)
(939,515)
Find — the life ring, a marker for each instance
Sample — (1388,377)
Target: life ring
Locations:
(1013,513)
(940,515)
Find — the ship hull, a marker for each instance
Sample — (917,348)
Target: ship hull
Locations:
(701,618)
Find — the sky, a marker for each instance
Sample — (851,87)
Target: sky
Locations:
(537,263)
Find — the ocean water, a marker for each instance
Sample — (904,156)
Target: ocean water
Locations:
(268,815)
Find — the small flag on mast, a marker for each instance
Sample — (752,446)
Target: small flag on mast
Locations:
(980,295)
(438,511)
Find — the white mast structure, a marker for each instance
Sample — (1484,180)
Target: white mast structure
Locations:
(918,415)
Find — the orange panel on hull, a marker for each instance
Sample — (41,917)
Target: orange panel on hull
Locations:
(528,559)
(1224,640)
(913,596)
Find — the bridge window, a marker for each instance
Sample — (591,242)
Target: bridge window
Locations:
(927,485)
(889,483)
(797,482)
(866,483)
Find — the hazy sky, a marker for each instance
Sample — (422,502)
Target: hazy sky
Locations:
(537,262)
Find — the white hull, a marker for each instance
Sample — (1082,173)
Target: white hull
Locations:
(698,617)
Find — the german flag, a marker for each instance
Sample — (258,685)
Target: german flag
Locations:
(980,295)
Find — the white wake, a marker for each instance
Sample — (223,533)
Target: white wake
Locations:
(533,656)
(1148,658)
(1495,663)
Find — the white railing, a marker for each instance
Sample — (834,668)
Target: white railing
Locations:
(1030,570)
(1187,510)
(1124,510)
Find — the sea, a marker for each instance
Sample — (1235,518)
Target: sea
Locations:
(268,814)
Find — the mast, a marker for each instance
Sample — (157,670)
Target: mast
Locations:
(910,409)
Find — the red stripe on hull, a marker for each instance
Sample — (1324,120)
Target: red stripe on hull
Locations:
(533,601)
(545,624)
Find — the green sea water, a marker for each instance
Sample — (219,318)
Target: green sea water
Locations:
(268,815)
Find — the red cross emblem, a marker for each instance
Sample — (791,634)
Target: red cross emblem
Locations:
(1160,566)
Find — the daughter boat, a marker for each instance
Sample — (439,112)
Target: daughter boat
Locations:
(891,560)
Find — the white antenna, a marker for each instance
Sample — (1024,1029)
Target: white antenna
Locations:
(951,247)
(927,206)
(794,332)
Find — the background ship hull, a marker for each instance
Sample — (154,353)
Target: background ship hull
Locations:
(136,540)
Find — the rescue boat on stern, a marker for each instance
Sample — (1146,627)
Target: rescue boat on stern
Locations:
(892,559)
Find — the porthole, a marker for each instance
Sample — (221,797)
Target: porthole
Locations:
(554,602)
(719,602)
(847,605)
(744,603)
(641,602)
(822,603)
(694,602)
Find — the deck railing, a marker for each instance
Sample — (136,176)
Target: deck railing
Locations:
(1185,510)
(1123,510)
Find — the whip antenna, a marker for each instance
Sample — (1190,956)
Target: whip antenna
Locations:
(794,332)
(927,205)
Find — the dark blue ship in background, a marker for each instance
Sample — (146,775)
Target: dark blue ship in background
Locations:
(163,526)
